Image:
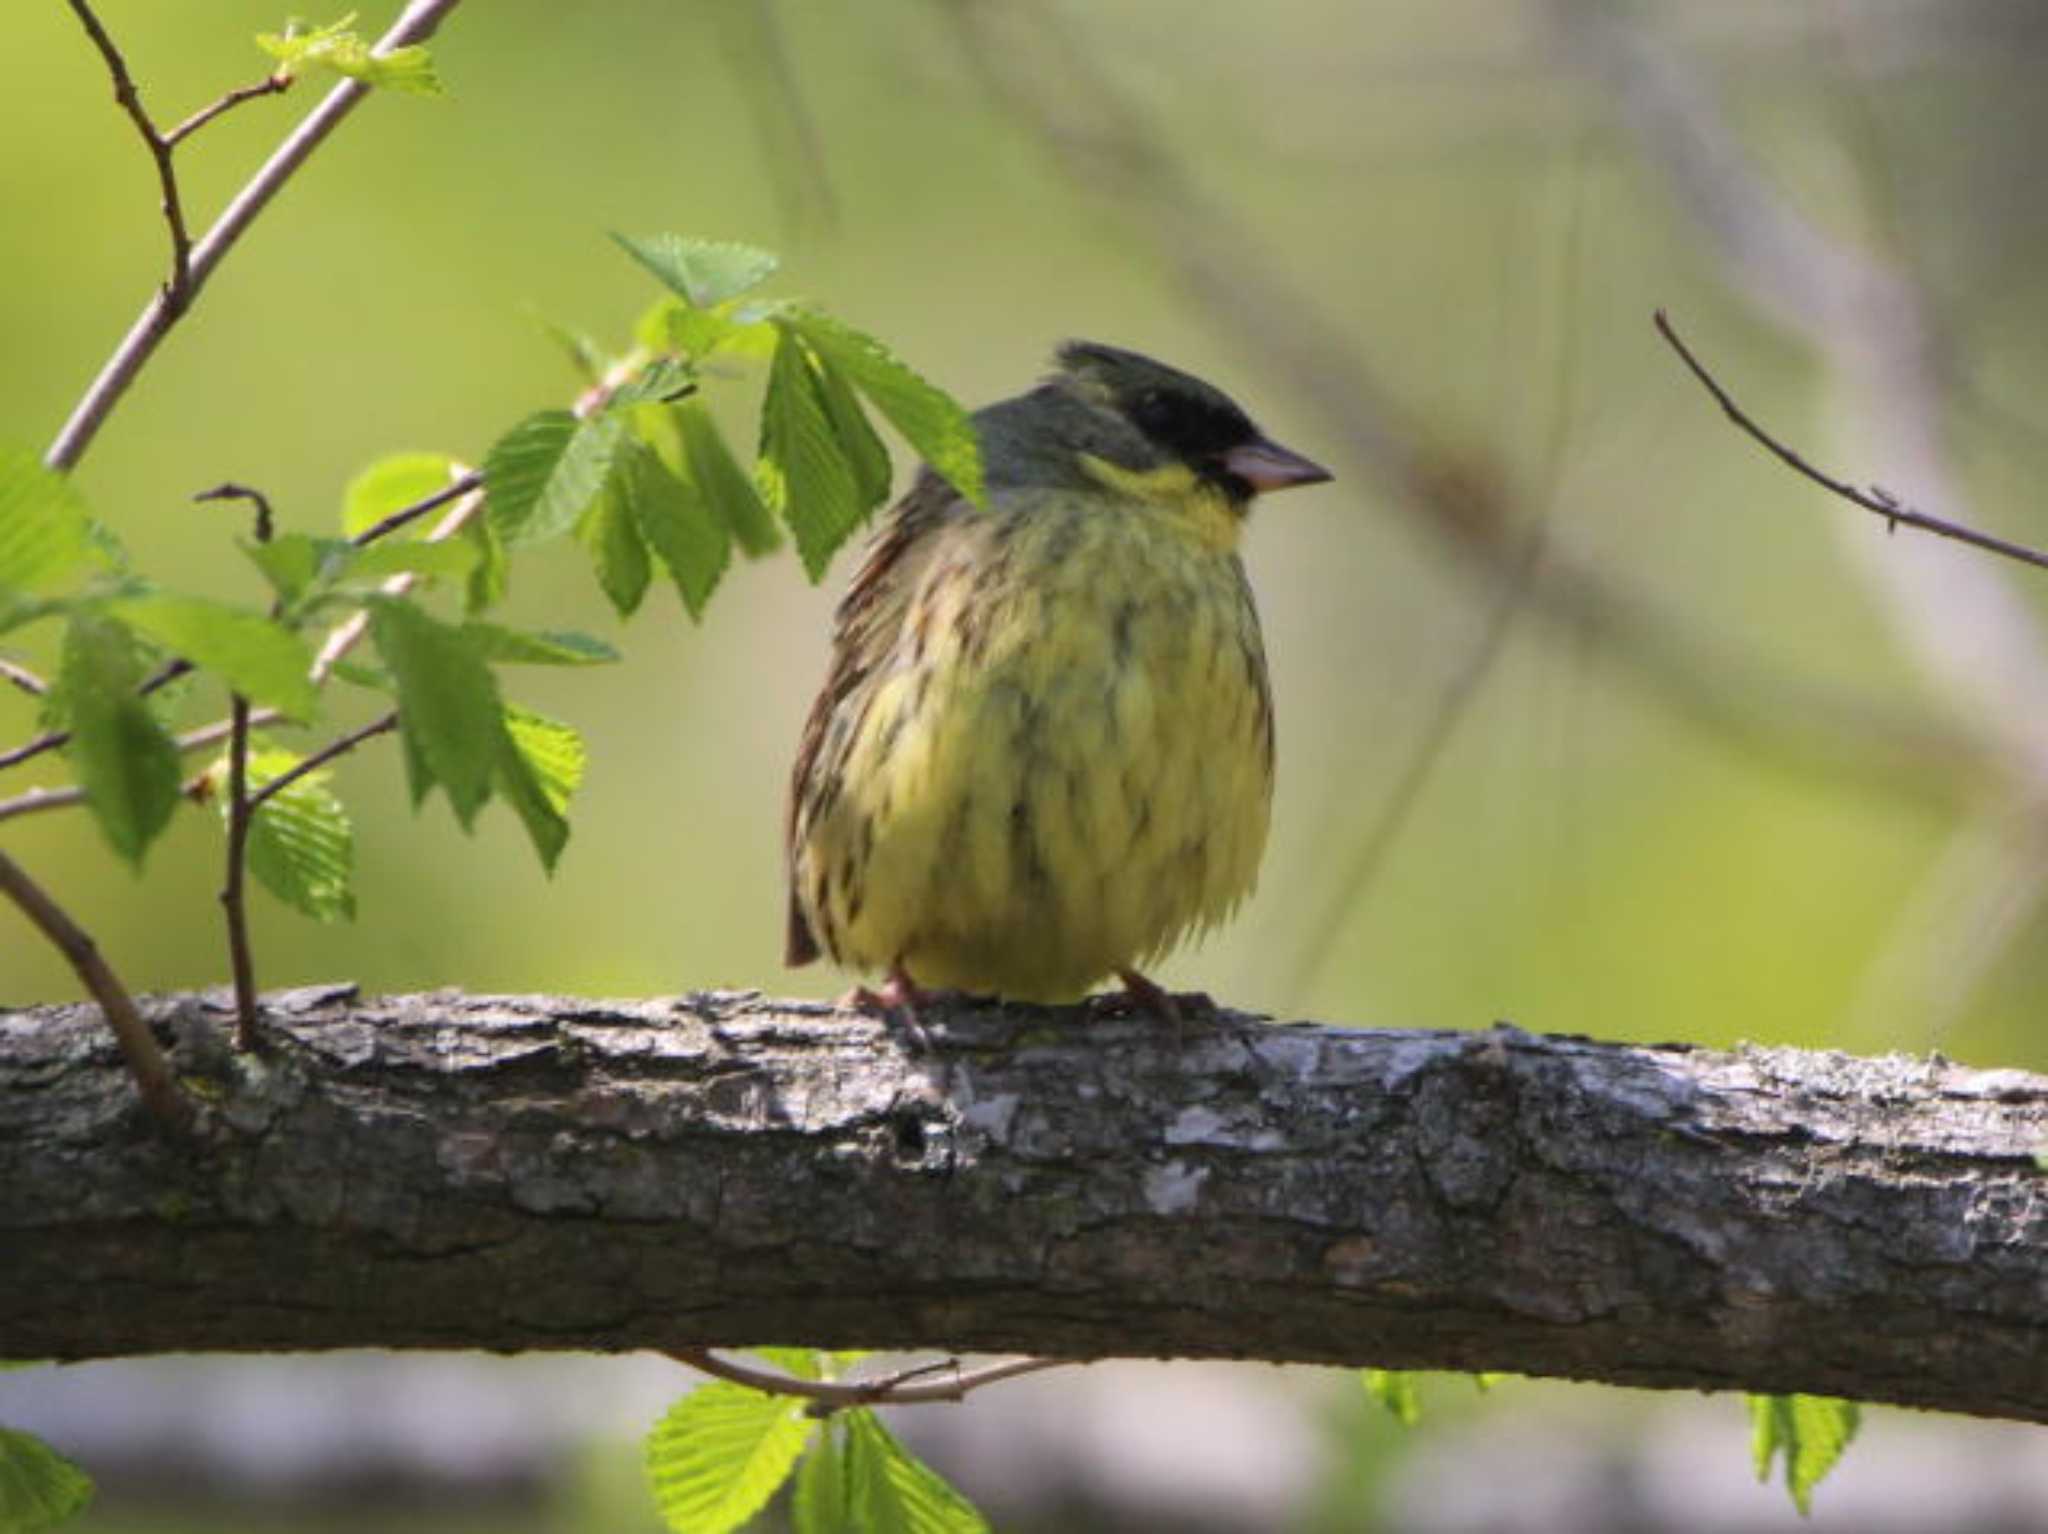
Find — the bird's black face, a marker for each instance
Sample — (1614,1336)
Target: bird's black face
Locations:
(1189,421)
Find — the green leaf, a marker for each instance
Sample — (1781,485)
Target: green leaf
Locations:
(502,646)
(705,272)
(336,47)
(677,525)
(722,482)
(583,354)
(617,551)
(661,380)
(857,438)
(294,563)
(448,708)
(126,762)
(392,484)
(1397,1390)
(803,471)
(540,764)
(451,557)
(45,531)
(822,1502)
(256,656)
(39,1488)
(493,571)
(721,1453)
(931,421)
(302,845)
(544,473)
(896,1493)
(1811,1432)
(673,325)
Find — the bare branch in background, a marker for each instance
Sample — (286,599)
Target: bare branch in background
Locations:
(1876,500)
(338,747)
(24,679)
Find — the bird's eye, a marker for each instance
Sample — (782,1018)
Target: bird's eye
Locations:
(1153,412)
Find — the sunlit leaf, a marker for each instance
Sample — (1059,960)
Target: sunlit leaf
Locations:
(863,448)
(721,1453)
(448,707)
(125,760)
(544,473)
(931,420)
(540,766)
(39,1488)
(1810,1431)
(822,1500)
(301,841)
(392,484)
(1397,1390)
(617,550)
(677,524)
(45,530)
(803,471)
(704,272)
(336,47)
(532,647)
(256,656)
(893,1491)
(722,482)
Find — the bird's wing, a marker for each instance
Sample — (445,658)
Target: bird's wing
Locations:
(864,631)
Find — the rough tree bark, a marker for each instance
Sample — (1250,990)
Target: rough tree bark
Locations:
(521,1172)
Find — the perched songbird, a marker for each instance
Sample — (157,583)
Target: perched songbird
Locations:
(1044,751)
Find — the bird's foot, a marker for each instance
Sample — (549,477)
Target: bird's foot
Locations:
(899,1003)
(1143,994)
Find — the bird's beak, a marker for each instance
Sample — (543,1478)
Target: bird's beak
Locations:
(1267,466)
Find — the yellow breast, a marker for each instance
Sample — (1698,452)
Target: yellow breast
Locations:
(1064,765)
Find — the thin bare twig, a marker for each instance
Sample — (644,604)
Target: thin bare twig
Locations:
(1876,500)
(828,1396)
(36,800)
(269,85)
(146,1062)
(23,678)
(340,746)
(157,319)
(473,480)
(231,491)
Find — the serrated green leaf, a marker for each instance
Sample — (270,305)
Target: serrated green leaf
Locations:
(335,47)
(720,1453)
(822,1500)
(705,272)
(295,563)
(893,1491)
(677,524)
(492,572)
(671,324)
(540,765)
(39,1488)
(931,420)
(45,531)
(448,707)
(618,552)
(356,674)
(543,474)
(722,482)
(803,472)
(502,646)
(451,558)
(661,380)
(1396,1390)
(256,656)
(1810,1431)
(857,438)
(302,845)
(390,485)
(125,760)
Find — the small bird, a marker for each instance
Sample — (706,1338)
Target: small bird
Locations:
(1043,753)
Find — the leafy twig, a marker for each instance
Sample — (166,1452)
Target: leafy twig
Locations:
(152,1073)
(899,1389)
(340,746)
(418,22)
(1875,500)
(457,488)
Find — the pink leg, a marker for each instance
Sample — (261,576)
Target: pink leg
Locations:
(898,1002)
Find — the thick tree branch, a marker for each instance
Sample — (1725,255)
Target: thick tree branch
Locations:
(532,1172)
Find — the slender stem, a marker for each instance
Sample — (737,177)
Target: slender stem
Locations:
(230,491)
(473,480)
(1878,501)
(828,1396)
(146,1062)
(232,903)
(23,678)
(340,746)
(196,789)
(269,85)
(165,674)
(418,22)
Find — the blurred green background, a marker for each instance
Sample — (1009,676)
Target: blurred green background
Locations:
(1739,766)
